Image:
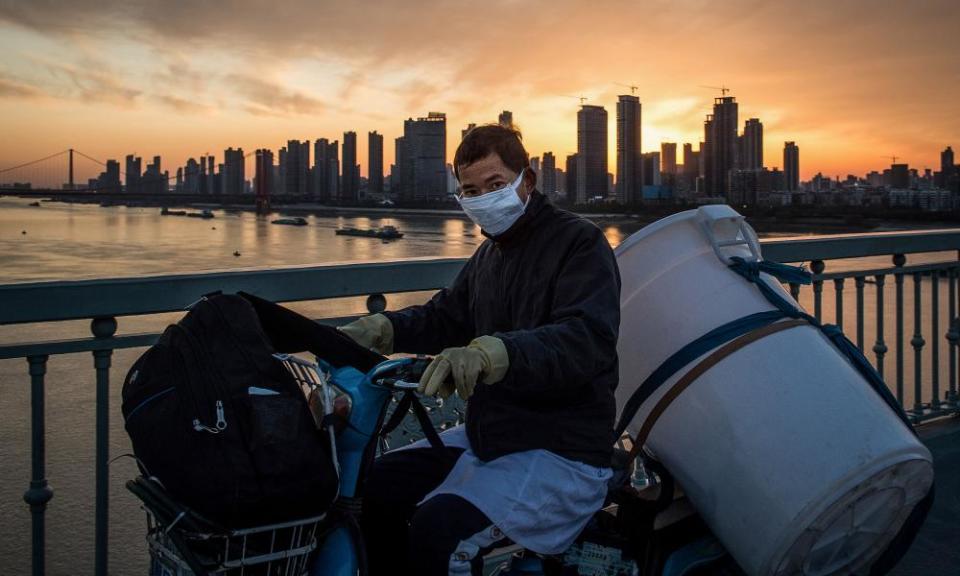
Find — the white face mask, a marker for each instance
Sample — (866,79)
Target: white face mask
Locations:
(495,211)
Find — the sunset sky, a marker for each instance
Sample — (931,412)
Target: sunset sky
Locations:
(851,82)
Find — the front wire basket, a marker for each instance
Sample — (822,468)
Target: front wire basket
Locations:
(183,543)
(272,550)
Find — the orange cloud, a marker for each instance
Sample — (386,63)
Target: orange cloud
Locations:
(849,81)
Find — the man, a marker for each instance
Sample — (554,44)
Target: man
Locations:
(527,334)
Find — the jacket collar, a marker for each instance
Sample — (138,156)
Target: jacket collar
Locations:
(524,224)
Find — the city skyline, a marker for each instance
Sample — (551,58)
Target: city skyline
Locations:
(875,79)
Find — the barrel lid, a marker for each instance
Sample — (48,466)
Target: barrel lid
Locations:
(853,531)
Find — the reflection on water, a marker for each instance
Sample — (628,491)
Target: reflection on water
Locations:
(614,235)
(72,241)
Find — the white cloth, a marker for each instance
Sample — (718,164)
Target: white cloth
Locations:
(540,500)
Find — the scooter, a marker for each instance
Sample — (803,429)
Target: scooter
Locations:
(360,407)
(642,531)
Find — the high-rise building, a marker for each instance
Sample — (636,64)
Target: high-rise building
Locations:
(320,172)
(191,177)
(791,166)
(505,118)
(109,179)
(424,153)
(751,153)
(748,187)
(234,171)
(132,173)
(900,176)
(571,178)
(720,132)
(651,169)
(350,182)
(153,181)
(548,180)
(947,168)
(295,167)
(374,163)
(398,171)
(465,131)
(263,178)
(535,166)
(668,158)
(203,186)
(591,153)
(333,169)
(210,184)
(690,161)
(629,163)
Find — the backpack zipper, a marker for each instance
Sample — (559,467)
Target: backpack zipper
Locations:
(220,423)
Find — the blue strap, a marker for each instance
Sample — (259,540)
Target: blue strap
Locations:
(796,275)
(782,272)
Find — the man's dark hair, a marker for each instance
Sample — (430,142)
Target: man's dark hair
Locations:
(480,142)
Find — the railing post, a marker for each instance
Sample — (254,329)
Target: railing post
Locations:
(838,290)
(795,291)
(880,347)
(103,328)
(917,342)
(39,493)
(899,260)
(817,267)
(376,303)
(953,336)
(860,281)
(935,338)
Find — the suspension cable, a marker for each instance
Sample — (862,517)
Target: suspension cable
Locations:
(33,162)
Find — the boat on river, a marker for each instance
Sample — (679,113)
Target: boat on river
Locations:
(205,214)
(386,232)
(295,221)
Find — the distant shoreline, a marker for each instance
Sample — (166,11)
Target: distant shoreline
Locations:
(629,222)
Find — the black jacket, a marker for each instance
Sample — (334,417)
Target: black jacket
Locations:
(548,287)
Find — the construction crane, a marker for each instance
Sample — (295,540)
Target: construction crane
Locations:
(582,99)
(633,89)
(723,89)
(893,159)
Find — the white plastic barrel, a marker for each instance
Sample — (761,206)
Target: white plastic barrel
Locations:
(794,462)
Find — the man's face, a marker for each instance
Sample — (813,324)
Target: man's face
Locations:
(489,174)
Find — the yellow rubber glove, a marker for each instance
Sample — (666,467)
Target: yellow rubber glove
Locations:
(484,357)
(374,332)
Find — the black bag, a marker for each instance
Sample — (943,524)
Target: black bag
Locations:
(221,423)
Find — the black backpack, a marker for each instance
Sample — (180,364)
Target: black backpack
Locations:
(220,422)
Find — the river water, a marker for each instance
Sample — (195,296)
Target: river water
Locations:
(72,241)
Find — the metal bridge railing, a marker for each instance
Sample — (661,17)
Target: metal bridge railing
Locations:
(104,301)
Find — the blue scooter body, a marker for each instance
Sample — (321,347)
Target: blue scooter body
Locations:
(336,555)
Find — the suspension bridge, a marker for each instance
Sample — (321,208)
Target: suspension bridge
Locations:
(72,175)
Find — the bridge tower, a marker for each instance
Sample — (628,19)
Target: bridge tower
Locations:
(70,177)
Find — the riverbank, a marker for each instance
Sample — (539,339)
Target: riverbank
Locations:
(765,223)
